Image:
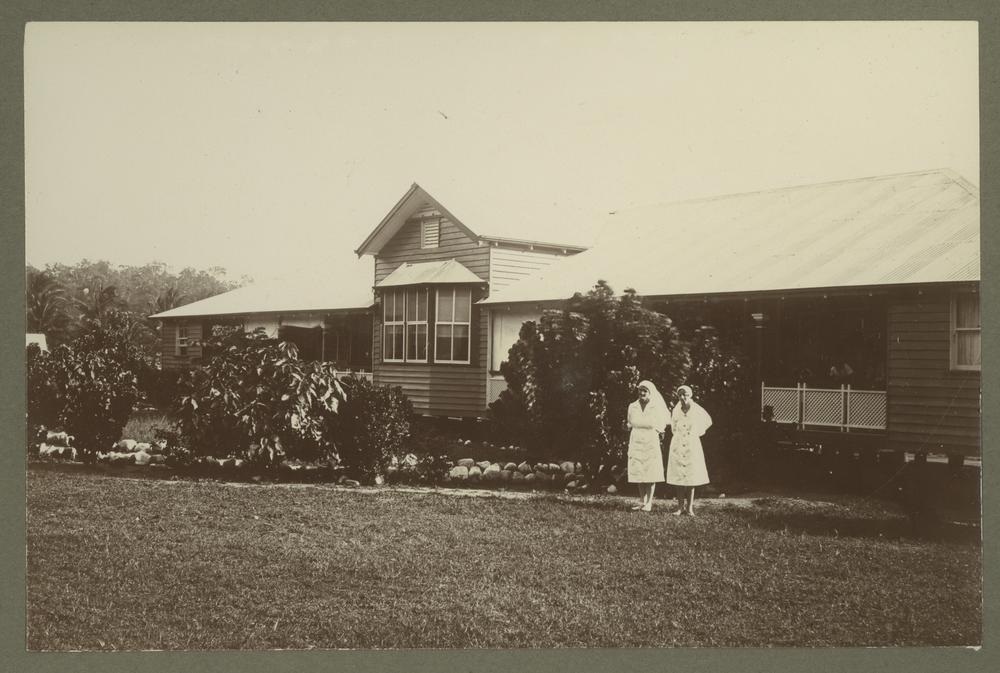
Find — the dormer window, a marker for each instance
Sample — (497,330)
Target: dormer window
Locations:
(430,232)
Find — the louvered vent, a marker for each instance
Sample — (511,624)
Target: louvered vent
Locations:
(430,233)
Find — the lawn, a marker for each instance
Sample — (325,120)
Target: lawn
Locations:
(118,563)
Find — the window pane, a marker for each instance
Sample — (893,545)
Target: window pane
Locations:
(463,301)
(397,339)
(416,342)
(461,341)
(445,305)
(411,305)
(967,312)
(969,349)
(422,305)
(421,342)
(400,304)
(411,342)
(394,342)
(442,349)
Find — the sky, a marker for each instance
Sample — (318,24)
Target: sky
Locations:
(265,148)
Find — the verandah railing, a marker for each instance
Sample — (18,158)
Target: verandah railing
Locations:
(842,408)
(495,385)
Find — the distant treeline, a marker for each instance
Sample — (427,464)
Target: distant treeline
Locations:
(63,299)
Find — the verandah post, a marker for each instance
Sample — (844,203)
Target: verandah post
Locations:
(847,408)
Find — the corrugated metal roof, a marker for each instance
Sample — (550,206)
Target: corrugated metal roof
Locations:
(449,271)
(342,286)
(910,228)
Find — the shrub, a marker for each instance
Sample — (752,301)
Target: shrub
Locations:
(370,427)
(160,388)
(85,392)
(256,399)
(571,377)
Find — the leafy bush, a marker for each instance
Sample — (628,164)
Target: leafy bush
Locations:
(256,399)
(370,427)
(86,392)
(571,377)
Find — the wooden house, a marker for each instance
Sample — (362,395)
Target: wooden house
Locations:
(409,315)
(879,274)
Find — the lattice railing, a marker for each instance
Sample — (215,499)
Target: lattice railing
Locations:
(866,409)
(842,408)
(784,402)
(494,386)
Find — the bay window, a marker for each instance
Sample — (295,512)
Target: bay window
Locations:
(453,323)
(416,318)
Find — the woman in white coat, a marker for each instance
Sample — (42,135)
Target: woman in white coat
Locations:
(686,461)
(647,420)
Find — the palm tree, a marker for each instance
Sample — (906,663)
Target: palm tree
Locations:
(96,302)
(166,300)
(45,305)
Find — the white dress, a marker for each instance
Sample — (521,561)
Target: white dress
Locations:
(645,458)
(686,460)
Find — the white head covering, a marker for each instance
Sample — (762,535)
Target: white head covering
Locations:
(657,407)
(701,420)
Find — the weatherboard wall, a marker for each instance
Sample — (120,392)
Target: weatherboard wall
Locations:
(169,358)
(508,263)
(931,407)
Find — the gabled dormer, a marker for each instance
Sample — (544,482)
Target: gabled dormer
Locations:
(431,270)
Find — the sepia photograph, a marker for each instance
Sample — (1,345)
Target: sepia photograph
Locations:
(502,336)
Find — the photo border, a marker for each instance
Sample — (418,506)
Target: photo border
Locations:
(12,402)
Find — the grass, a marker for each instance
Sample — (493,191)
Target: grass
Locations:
(142,425)
(116,563)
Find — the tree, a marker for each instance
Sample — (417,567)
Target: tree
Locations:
(96,301)
(167,299)
(90,289)
(45,306)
